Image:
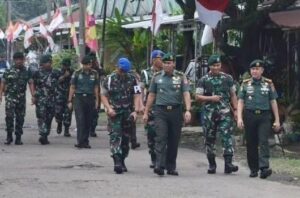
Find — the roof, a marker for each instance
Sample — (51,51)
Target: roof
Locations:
(288,19)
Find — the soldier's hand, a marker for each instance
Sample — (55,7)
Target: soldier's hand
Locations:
(216,98)
(111,113)
(145,118)
(187,116)
(235,115)
(276,126)
(240,124)
(142,109)
(70,105)
(134,115)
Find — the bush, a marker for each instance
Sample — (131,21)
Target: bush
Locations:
(70,53)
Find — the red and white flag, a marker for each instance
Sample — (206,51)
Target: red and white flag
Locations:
(9,32)
(28,35)
(2,35)
(157,16)
(18,28)
(207,36)
(44,32)
(56,20)
(210,12)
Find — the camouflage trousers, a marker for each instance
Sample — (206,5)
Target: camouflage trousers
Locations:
(216,122)
(150,129)
(119,128)
(62,113)
(44,112)
(15,113)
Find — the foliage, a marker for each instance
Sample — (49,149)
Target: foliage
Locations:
(71,54)
(2,19)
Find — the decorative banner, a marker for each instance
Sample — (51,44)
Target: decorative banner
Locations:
(157,16)
(28,35)
(207,36)
(10,32)
(2,35)
(210,12)
(91,33)
(56,20)
(73,29)
(44,32)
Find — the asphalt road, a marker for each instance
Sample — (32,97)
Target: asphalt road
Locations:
(60,170)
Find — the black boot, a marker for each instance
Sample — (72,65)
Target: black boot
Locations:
(67,133)
(124,168)
(153,159)
(18,140)
(9,139)
(93,132)
(229,167)
(59,128)
(118,168)
(44,140)
(212,164)
(135,145)
(265,172)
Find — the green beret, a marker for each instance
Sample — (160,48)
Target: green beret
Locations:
(256,63)
(215,58)
(18,55)
(66,62)
(46,59)
(168,57)
(86,60)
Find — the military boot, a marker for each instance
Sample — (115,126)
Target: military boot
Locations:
(18,140)
(212,164)
(124,168)
(229,167)
(153,159)
(265,172)
(118,168)
(135,145)
(67,133)
(44,140)
(59,128)
(9,139)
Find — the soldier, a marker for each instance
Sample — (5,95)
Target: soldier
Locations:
(120,96)
(146,76)
(257,98)
(95,117)
(45,86)
(63,114)
(14,84)
(168,88)
(217,91)
(85,86)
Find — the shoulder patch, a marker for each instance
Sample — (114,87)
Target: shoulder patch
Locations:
(246,80)
(179,73)
(268,80)
(157,73)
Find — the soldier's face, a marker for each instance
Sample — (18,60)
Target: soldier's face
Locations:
(47,65)
(157,63)
(87,66)
(168,66)
(256,72)
(215,68)
(19,62)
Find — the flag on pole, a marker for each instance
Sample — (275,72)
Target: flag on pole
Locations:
(28,35)
(207,36)
(2,35)
(91,33)
(72,29)
(18,28)
(45,33)
(157,16)
(56,20)
(210,12)
(10,32)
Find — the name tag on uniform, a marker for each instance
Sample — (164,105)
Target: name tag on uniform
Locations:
(92,77)
(137,89)
(199,91)
(80,76)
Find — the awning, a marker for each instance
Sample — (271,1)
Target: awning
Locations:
(288,19)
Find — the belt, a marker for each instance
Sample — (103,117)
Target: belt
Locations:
(168,107)
(257,111)
(83,94)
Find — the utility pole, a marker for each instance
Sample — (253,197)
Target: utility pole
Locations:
(48,10)
(82,8)
(8,20)
(103,35)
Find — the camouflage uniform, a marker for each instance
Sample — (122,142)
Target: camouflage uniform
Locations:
(62,113)
(120,92)
(217,116)
(45,82)
(146,77)
(16,81)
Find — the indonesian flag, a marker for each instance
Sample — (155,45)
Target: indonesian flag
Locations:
(157,16)
(207,36)
(2,35)
(44,32)
(28,35)
(10,32)
(210,11)
(18,28)
(56,20)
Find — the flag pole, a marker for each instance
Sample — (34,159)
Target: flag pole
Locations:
(103,35)
(153,28)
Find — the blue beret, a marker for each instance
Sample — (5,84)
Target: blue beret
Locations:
(157,54)
(256,63)
(124,64)
(168,57)
(215,58)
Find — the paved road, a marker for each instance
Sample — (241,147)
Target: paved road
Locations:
(59,170)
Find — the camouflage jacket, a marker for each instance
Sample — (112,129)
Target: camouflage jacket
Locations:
(120,90)
(16,82)
(221,85)
(64,86)
(46,82)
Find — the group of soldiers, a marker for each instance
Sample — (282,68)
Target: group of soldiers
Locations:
(160,93)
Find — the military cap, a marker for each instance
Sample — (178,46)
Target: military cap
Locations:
(168,57)
(66,62)
(124,64)
(157,54)
(46,59)
(18,55)
(86,60)
(256,63)
(93,56)
(213,59)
